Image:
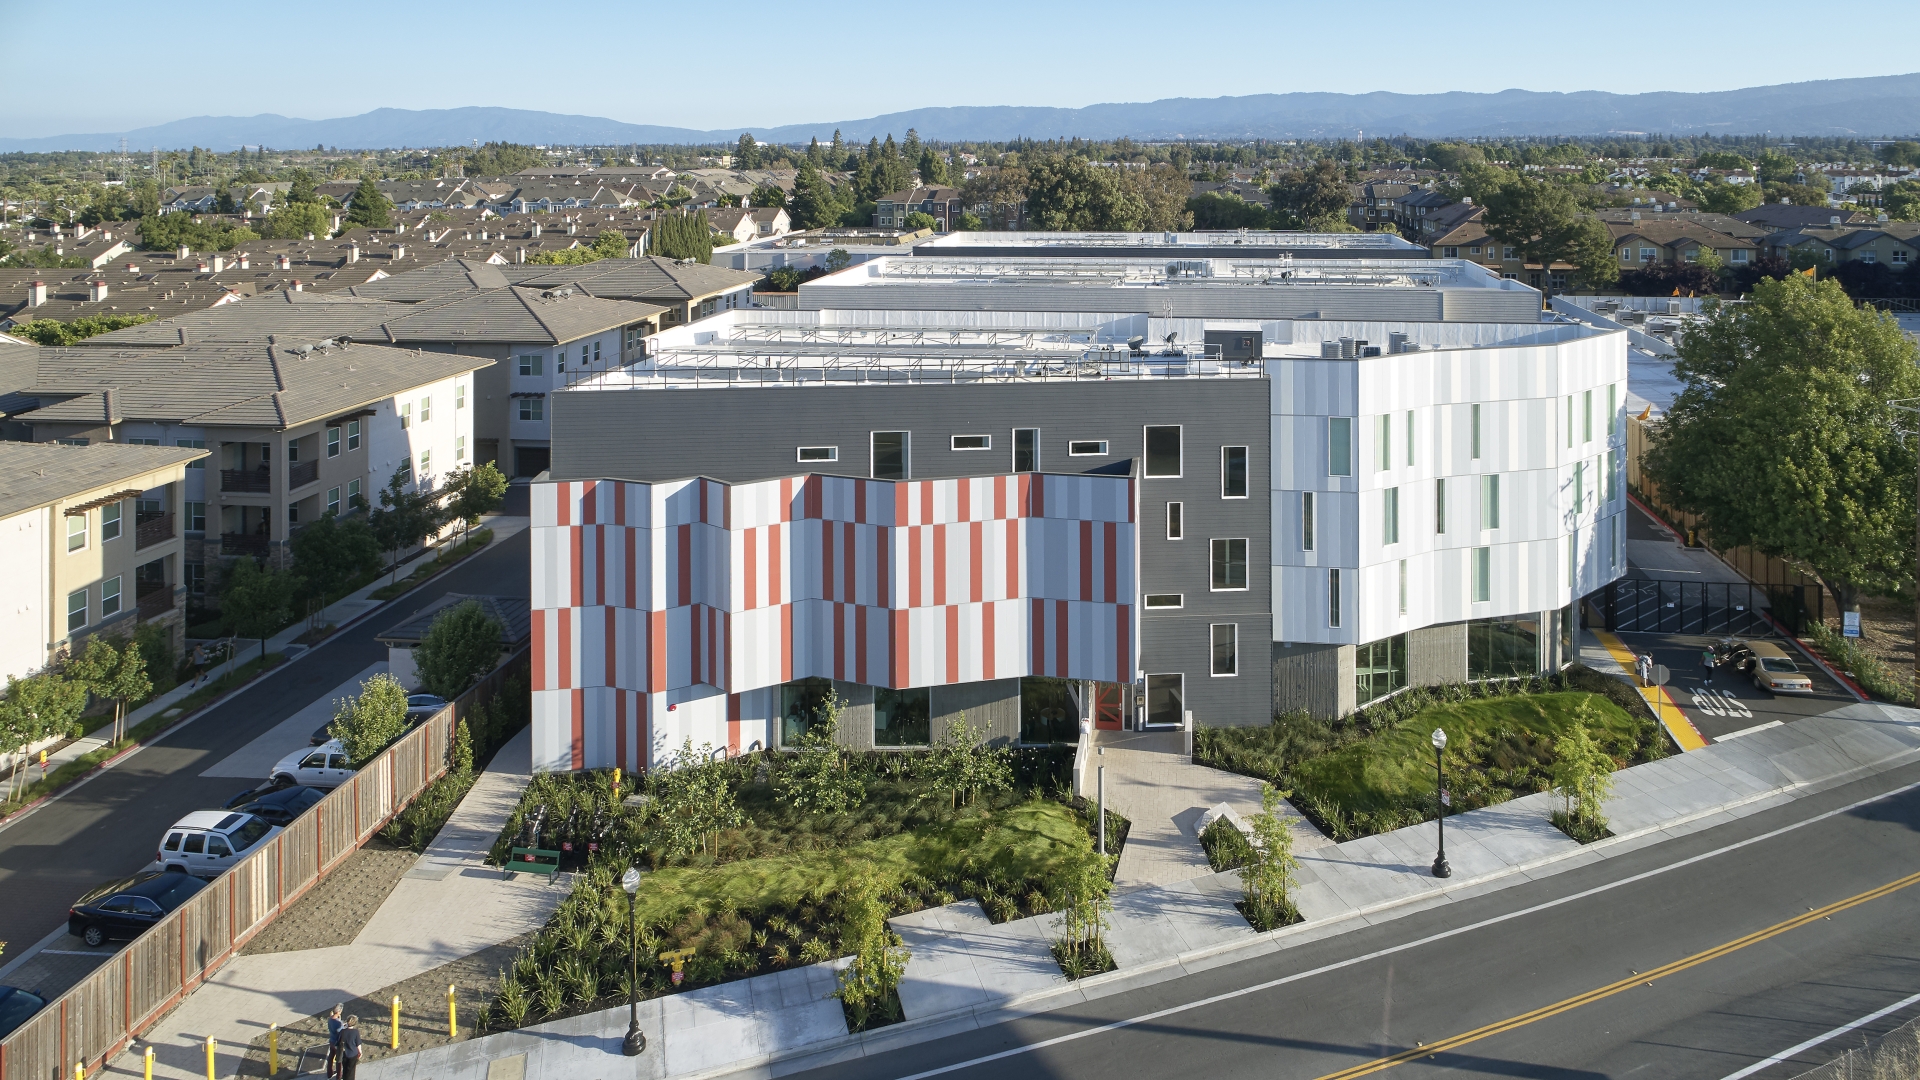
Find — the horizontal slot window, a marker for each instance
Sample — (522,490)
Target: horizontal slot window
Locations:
(1165,600)
(973,442)
(1087,448)
(818,453)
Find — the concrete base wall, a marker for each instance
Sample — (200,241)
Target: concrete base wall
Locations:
(1437,655)
(994,705)
(1315,679)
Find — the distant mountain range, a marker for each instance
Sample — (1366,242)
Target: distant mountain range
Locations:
(1870,107)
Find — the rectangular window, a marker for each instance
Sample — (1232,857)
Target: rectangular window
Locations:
(890,454)
(1233,472)
(1379,668)
(406,415)
(533,408)
(406,470)
(1569,421)
(1579,475)
(73,442)
(902,717)
(1626,253)
(1409,436)
(1087,448)
(196,514)
(1403,586)
(353,434)
(333,442)
(76,610)
(459,395)
(77,531)
(197,578)
(1613,469)
(973,442)
(596,352)
(426,409)
(1166,700)
(333,500)
(1482,575)
(1229,565)
(1163,451)
(1613,408)
(293,451)
(1339,446)
(817,453)
(110,521)
(1026,449)
(1306,521)
(1390,516)
(459,448)
(1333,598)
(1490,501)
(426,462)
(110,596)
(1175,526)
(354,501)
(142,442)
(1440,505)
(197,444)
(1586,416)
(1165,600)
(1473,436)
(532,364)
(1383,452)
(1226,648)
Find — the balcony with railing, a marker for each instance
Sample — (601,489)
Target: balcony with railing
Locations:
(153,527)
(155,600)
(302,473)
(247,480)
(254,544)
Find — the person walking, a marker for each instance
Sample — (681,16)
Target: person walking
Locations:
(333,1043)
(1707,664)
(199,671)
(350,1048)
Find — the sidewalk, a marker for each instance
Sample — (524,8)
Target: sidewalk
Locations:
(967,973)
(447,906)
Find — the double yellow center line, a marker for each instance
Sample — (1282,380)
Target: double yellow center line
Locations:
(1642,979)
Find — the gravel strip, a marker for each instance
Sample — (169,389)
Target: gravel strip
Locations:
(336,909)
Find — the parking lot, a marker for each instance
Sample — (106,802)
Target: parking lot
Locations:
(1732,706)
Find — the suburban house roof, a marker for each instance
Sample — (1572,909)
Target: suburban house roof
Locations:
(230,385)
(516,315)
(1781,217)
(1668,233)
(645,279)
(923,194)
(299,315)
(33,475)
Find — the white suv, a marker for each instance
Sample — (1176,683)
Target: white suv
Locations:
(206,842)
(323,766)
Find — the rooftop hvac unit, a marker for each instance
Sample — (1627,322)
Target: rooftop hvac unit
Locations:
(1673,307)
(1396,342)
(1348,350)
(1329,350)
(1370,350)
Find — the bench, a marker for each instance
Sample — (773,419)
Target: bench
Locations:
(532,861)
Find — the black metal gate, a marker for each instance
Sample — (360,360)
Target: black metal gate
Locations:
(1714,608)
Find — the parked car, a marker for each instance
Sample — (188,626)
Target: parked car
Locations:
(206,842)
(17,1006)
(1774,671)
(419,707)
(248,795)
(126,908)
(323,766)
(281,805)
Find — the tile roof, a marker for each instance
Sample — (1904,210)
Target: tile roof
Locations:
(39,474)
(515,315)
(298,315)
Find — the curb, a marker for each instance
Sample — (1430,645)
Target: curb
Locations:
(21,814)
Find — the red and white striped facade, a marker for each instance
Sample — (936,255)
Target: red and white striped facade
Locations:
(671,611)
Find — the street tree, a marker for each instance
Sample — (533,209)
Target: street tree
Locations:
(1545,223)
(256,600)
(332,551)
(462,644)
(369,722)
(816,205)
(405,517)
(1066,194)
(1582,776)
(37,707)
(474,493)
(1267,879)
(1317,197)
(1783,441)
(816,778)
(112,674)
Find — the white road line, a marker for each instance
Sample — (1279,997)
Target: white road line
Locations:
(74,952)
(1818,1039)
(1259,988)
(1749,731)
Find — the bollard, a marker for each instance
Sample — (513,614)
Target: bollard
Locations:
(273,1049)
(212,1045)
(396,1022)
(147,1061)
(79,1070)
(453,1025)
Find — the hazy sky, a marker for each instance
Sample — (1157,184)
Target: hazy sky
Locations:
(107,67)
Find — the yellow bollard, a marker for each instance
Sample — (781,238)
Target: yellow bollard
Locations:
(273,1049)
(79,1070)
(396,1022)
(148,1060)
(453,1025)
(212,1045)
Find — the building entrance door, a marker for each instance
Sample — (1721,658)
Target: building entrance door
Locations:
(1108,706)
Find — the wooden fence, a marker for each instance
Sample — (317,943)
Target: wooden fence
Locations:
(94,1020)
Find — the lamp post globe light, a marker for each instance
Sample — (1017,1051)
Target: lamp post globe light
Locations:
(1440,867)
(636,1040)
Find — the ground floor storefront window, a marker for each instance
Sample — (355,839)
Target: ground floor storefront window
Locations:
(902,717)
(1379,668)
(1048,712)
(1503,648)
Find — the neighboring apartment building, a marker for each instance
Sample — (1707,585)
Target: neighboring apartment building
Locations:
(90,536)
(291,431)
(943,204)
(1047,513)
(1895,245)
(1642,241)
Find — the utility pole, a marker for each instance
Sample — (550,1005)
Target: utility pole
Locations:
(1911,406)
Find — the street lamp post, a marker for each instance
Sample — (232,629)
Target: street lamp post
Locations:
(636,1040)
(1440,867)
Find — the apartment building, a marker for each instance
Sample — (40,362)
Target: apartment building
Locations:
(1054,514)
(92,542)
(943,204)
(290,431)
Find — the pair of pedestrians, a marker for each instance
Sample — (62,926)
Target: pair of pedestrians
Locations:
(343,1045)
(1643,667)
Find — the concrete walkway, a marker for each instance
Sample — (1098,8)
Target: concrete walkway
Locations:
(968,973)
(448,906)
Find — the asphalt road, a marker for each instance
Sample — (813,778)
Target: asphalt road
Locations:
(110,826)
(1733,704)
(1497,985)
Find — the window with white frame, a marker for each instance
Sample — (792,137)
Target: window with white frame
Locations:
(426,409)
(333,500)
(1026,449)
(1164,600)
(1229,562)
(1225,648)
(973,442)
(459,448)
(1333,598)
(76,610)
(1176,525)
(406,415)
(891,455)
(1233,472)
(459,395)
(533,408)
(77,531)
(532,364)
(196,515)
(817,453)
(1473,434)
(333,442)
(354,501)
(1403,586)
(1087,448)
(353,434)
(110,521)
(110,597)
(197,444)
(1306,521)
(1163,451)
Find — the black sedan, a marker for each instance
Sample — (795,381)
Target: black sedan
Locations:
(127,907)
(253,794)
(280,806)
(17,1007)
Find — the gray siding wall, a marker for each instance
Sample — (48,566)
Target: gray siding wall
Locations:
(745,435)
(1437,655)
